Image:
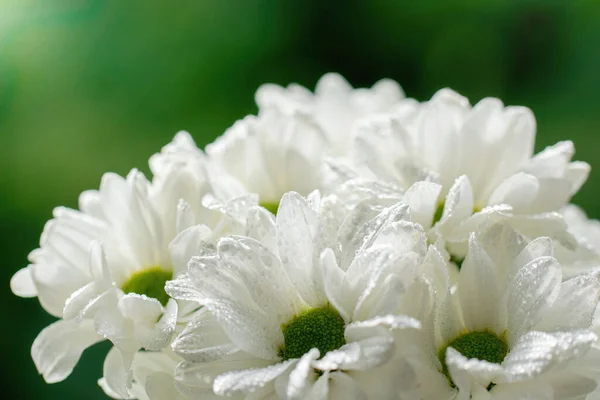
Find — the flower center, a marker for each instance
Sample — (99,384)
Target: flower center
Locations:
(482,345)
(322,328)
(271,206)
(149,282)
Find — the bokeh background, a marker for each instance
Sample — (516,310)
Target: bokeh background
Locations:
(89,86)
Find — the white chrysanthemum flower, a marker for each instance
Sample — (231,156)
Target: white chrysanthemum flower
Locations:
(283,319)
(335,106)
(482,159)
(102,270)
(510,328)
(270,155)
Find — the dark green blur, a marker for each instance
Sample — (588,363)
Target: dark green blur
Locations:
(93,86)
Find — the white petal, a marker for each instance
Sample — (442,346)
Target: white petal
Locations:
(188,243)
(459,204)
(22,284)
(79,300)
(450,316)
(552,160)
(160,386)
(436,272)
(333,282)
(356,237)
(296,228)
(230,302)
(575,306)
(263,275)
(107,390)
(518,191)
(479,291)
(57,349)
(374,351)
(539,247)
(302,376)
(320,389)
(117,372)
(473,371)
(260,225)
(539,352)
(140,308)
(185,216)
(203,340)
(55,283)
(387,321)
(196,379)
(183,288)
(348,354)
(341,386)
(577,173)
(403,236)
(370,271)
(534,288)
(422,197)
(249,380)
(163,330)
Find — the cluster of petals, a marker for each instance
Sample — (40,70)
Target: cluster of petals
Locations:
(340,244)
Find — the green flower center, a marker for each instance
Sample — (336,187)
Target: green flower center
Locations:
(322,328)
(482,345)
(457,260)
(150,282)
(271,206)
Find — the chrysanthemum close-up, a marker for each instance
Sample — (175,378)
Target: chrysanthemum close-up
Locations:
(289,201)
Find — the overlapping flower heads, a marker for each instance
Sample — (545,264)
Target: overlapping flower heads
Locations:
(341,244)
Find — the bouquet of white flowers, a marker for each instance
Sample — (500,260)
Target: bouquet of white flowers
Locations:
(341,244)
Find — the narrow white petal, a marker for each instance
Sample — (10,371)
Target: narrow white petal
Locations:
(534,288)
(539,247)
(263,275)
(160,386)
(260,225)
(296,229)
(249,380)
(519,191)
(478,290)
(57,349)
(356,237)
(302,376)
(188,243)
(422,197)
(162,332)
(539,352)
(196,379)
(333,282)
(140,308)
(117,372)
(577,173)
(342,386)
(575,306)
(221,292)
(458,206)
(203,340)
(22,284)
(467,373)
(107,390)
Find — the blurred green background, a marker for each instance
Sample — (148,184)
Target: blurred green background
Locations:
(92,86)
